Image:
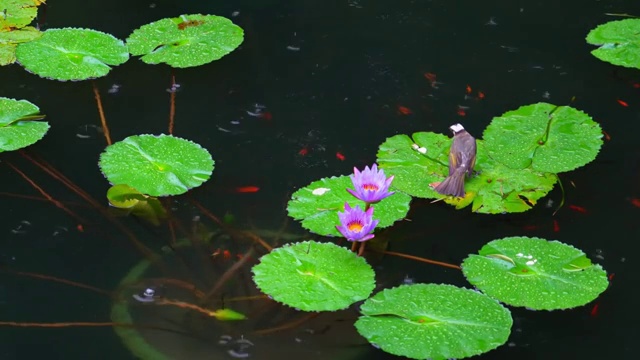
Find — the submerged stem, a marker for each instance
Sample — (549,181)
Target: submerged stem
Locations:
(417,258)
(46,195)
(172,104)
(103,119)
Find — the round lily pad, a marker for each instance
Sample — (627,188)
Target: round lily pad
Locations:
(318,203)
(494,188)
(544,137)
(18,127)
(314,276)
(535,273)
(430,321)
(72,54)
(618,42)
(17,13)
(185,41)
(156,165)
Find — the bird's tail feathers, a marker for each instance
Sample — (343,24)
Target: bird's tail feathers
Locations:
(452,185)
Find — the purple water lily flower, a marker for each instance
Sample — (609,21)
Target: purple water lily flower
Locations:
(355,224)
(370,185)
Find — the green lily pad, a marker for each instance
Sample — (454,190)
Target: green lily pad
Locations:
(314,276)
(156,165)
(494,188)
(317,205)
(535,273)
(430,321)
(18,128)
(72,54)
(545,137)
(497,189)
(17,13)
(185,41)
(618,41)
(414,171)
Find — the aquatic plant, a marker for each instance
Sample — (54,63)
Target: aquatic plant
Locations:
(356,224)
(535,273)
(313,276)
(442,321)
(370,185)
(9,41)
(434,321)
(185,41)
(19,124)
(72,54)
(16,15)
(517,161)
(156,165)
(317,204)
(617,42)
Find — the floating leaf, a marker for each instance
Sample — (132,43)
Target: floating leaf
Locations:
(493,189)
(317,205)
(72,54)
(545,137)
(618,41)
(9,41)
(536,273)
(157,165)
(16,13)
(497,189)
(17,126)
(25,34)
(185,41)
(429,321)
(414,171)
(314,276)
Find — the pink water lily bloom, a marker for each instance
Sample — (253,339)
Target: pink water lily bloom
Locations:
(355,224)
(370,185)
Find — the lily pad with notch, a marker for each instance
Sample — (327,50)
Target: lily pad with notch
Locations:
(19,127)
(431,321)
(156,165)
(185,41)
(618,42)
(313,276)
(72,54)
(535,273)
(318,203)
(543,137)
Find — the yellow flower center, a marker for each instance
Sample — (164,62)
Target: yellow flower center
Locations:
(355,226)
(370,187)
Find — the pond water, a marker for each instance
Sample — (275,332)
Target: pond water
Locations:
(336,78)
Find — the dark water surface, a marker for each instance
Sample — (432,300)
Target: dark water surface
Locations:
(332,74)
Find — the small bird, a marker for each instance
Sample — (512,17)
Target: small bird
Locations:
(462,159)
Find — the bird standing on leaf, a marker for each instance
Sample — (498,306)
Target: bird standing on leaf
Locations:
(462,159)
